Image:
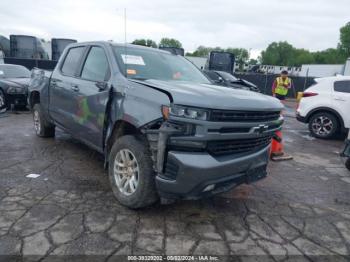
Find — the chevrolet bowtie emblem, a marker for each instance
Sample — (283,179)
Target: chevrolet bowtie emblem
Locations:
(260,129)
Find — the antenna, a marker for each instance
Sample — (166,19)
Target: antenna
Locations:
(125,45)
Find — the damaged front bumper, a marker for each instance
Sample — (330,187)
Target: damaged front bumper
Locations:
(199,174)
(191,162)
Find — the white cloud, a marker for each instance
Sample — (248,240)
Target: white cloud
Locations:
(253,24)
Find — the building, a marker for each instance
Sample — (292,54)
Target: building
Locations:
(272,69)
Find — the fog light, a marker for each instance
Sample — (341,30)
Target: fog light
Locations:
(209,188)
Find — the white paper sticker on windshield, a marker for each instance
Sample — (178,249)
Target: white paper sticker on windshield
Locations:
(1,72)
(133,60)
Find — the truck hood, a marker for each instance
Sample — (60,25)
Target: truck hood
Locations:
(215,97)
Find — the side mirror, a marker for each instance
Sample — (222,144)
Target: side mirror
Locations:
(219,80)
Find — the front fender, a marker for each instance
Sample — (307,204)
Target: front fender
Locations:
(139,104)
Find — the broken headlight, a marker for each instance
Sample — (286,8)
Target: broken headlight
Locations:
(184,111)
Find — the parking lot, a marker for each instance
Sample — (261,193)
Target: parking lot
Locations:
(301,208)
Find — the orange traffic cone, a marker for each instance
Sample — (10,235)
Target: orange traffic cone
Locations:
(277,152)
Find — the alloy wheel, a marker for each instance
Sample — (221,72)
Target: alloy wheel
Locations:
(126,172)
(322,126)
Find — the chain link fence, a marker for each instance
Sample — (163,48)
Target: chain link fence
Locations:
(265,81)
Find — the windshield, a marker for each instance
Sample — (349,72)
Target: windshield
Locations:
(227,76)
(143,64)
(7,71)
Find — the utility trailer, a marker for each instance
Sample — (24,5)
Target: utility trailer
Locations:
(58,45)
(221,61)
(26,46)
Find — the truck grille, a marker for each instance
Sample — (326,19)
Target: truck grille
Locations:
(238,146)
(243,116)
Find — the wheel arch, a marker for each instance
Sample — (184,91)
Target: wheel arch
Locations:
(120,128)
(34,98)
(327,110)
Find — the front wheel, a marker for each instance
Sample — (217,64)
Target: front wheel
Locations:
(131,172)
(323,125)
(41,125)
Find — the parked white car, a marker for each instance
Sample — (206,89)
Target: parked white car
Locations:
(325,106)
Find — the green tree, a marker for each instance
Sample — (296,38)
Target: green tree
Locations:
(253,61)
(344,44)
(241,55)
(302,56)
(330,56)
(284,54)
(145,42)
(203,51)
(170,42)
(280,53)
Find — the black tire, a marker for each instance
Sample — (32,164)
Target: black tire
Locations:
(3,103)
(42,126)
(145,193)
(329,127)
(347,163)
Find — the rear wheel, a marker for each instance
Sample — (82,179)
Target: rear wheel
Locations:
(41,125)
(131,172)
(323,125)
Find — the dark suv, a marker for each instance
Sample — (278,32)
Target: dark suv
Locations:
(165,130)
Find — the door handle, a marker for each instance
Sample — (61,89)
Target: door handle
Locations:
(101,86)
(53,84)
(75,88)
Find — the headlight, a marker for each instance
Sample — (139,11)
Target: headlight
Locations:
(183,111)
(15,90)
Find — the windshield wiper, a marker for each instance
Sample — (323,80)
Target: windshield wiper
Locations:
(138,78)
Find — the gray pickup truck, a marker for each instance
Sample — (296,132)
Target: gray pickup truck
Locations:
(165,130)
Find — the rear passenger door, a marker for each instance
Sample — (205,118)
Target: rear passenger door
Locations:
(92,96)
(63,87)
(342,99)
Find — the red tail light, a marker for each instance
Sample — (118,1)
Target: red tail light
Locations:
(308,94)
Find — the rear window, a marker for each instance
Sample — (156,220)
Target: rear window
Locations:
(342,86)
(72,60)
